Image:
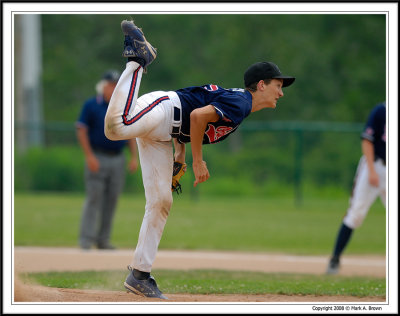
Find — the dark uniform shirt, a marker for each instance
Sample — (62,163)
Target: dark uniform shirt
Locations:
(92,116)
(375,130)
(231,105)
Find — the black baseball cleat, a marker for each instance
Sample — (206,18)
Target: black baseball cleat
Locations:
(106,246)
(333,266)
(147,288)
(136,45)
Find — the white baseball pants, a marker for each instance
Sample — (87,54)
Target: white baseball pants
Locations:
(364,194)
(149,120)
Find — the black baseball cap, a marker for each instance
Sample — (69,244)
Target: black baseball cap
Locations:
(111,75)
(265,70)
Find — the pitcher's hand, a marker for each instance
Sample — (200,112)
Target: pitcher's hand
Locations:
(200,172)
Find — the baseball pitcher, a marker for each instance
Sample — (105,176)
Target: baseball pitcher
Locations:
(158,120)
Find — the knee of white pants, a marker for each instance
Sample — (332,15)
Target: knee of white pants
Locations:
(353,220)
(115,130)
(161,202)
(110,134)
(111,129)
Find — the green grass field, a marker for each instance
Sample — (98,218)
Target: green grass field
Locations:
(243,224)
(209,223)
(221,282)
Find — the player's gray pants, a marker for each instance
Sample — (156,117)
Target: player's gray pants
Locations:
(102,191)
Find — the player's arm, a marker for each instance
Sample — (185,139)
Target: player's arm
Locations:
(199,118)
(180,151)
(133,162)
(83,138)
(368,151)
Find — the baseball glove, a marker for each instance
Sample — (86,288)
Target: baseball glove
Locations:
(178,172)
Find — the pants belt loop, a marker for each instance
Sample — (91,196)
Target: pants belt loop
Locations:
(177,119)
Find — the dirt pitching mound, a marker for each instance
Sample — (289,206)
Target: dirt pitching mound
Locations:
(73,259)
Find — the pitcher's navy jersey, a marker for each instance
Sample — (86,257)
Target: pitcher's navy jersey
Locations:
(375,130)
(231,105)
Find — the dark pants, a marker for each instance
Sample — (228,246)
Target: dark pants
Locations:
(102,191)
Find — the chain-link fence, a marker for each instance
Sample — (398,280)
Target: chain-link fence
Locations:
(257,157)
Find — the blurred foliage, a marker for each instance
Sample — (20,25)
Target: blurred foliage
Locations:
(58,168)
(247,163)
(339,60)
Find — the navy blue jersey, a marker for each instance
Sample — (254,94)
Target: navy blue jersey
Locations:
(231,105)
(92,117)
(375,130)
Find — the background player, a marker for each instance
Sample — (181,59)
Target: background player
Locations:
(104,177)
(369,181)
(199,115)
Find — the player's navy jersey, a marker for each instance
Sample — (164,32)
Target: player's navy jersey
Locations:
(231,105)
(375,130)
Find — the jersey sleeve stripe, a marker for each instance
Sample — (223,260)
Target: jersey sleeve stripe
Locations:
(221,114)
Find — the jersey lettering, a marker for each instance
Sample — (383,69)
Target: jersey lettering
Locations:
(214,133)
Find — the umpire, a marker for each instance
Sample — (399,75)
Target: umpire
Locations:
(104,167)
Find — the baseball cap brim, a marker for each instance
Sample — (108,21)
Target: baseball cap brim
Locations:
(287,81)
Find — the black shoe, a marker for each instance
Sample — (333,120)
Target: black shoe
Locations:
(333,266)
(147,288)
(136,45)
(105,246)
(85,246)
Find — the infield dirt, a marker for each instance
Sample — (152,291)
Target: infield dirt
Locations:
(28,259)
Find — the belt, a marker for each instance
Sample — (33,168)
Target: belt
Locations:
(176,122)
